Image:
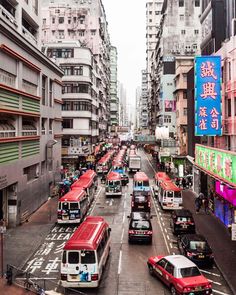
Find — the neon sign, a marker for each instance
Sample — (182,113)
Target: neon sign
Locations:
(208,114)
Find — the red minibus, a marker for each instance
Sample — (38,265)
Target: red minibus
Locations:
(113,184)
(159,177)
(85,254)
(73,206)
(170,196)
(141,182)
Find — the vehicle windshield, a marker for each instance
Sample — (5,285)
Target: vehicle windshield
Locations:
(140,224)
(177,195)
(114,183)
(190,272)
(198,245)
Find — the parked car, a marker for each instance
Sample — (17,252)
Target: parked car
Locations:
(180,274)
(196,248)
(140,227)
(182,221)
(141,201)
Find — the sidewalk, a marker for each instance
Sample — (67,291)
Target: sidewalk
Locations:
(218,237)
(22,241)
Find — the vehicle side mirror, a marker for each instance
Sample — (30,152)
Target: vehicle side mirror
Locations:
(109,229)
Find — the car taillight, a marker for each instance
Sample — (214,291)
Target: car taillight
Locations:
(132,204)
(149,204)
(149,232)
(189,254)
(131,232)
(187,289)
(208,286)
(94,277)
(63,277)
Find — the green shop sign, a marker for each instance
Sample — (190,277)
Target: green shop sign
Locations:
(219,162)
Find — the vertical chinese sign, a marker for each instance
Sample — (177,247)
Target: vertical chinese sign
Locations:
(208,109)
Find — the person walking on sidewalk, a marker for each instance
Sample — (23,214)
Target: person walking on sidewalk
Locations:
(205,203)
(198,203)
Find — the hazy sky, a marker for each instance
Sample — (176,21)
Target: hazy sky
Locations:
(126,26)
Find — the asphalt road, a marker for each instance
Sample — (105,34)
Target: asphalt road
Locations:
(126,271)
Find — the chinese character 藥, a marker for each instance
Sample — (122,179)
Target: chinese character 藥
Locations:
(203,111)
(209,90)
(207,70)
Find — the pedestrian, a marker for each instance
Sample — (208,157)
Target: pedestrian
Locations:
(198,203)
(205,203)
(183,182)
(177,182)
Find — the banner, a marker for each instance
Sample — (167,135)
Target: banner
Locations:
(208,109)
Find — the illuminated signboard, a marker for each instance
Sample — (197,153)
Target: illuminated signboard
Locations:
(208,111)
(219,162)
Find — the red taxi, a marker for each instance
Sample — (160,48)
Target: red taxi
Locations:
(180,274)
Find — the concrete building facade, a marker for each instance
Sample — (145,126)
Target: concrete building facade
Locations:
(84,21)
(30,113)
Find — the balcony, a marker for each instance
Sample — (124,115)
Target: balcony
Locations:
(7,130)
(8,17)
(29,36)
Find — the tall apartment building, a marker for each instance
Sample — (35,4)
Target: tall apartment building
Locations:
(79,95)
(144,103)
(83,20)
(178,41)
(137,108)
(114,102)
(153,17)
(123,115)
(30,113)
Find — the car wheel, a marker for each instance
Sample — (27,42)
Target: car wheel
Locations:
(173,290)
(151,271)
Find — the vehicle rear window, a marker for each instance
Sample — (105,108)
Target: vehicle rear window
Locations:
(74,206)
(198,245)
(184,219)
(140,224)
(140,199)
(73,257)
(114,183)
(190,272)
(65,205)
(87,257)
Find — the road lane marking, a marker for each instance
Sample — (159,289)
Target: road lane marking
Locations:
(210,273)
(165,229)
(216,283)
(168,237)
(122,235)
(119,265)
(95,201)
(219,292)
(123,221)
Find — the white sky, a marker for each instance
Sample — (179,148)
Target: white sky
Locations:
(127,28)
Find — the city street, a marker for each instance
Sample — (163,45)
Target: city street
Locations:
(126,271)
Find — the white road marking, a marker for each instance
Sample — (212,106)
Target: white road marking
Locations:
(210,273)
(171,246)
(122,235)
(216,283)
(95,201)
(37,279)
(165,229)
(123,220)
(218,292)
(168,237)
(119,265)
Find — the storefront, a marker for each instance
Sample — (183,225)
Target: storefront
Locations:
(217,170)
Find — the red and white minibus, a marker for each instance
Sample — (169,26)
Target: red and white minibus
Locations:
(89,182)
(141,182)
(170,196)
(159,177)
(85,254)
(104,164)
(73,206)
(113,184)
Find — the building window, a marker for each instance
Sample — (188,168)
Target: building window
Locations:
(229,107)
(181,17)
(183,32)
(185,111)
(53,20)
(197,3)
(43,126)
(66,106)
(167,119)
(157,12)
(50,126)
(61,20)
(44,21)
(235,106)
(196,32)
(181,3)
(81,33)
(78,71)
(31,172)
(61,34)
(150,12)
(44,86)
(81,20)
(69,20)
(67,123)
(50,93)
(93,32)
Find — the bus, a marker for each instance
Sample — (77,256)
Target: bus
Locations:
(72,207)
(113,184)
(141,182)
(89,182)
(170,196)
(85,254)
(159,177)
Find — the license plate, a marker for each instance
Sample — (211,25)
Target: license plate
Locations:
(140,206)
(201,256)
(73,277)
(184,226)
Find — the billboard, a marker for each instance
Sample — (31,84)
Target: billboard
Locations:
(208,109)
(220,163)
